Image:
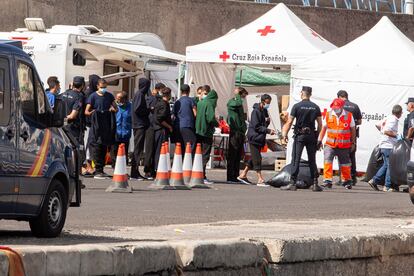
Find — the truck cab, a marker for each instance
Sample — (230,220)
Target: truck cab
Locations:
(39,174)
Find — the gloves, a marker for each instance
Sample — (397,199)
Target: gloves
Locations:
(319,145)
(400,137)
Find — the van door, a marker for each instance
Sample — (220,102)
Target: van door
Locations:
(34,141)
(8,141)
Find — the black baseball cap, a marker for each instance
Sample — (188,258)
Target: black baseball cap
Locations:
(410,100)
(307,89)
(79,80)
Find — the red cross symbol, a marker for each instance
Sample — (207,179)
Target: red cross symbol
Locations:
(267,30)
(324,113)
(224,56)
(315,34)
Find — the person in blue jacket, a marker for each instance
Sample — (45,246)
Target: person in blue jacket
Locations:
(123,125)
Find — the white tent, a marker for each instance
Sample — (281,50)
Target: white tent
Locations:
(278,37)
(375,69)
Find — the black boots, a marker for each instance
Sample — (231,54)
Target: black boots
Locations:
(291,186)
(316,187)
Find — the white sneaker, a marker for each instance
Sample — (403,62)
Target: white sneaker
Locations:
(386,189)
(208,182)
(262,185)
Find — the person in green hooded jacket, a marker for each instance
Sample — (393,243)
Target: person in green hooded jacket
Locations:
(206,123)
(237,122)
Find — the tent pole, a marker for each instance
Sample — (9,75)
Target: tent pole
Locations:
(180,65)
(241,75)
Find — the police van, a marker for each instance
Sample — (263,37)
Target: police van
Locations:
(39,170)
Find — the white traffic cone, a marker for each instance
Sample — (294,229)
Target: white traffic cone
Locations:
(176,177)
(167,146)
(188,164)
(197,174)
(120,178)
(161,181)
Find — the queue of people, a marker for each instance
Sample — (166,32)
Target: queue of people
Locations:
(110,121)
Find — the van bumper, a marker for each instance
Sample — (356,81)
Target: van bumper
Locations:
(410,179)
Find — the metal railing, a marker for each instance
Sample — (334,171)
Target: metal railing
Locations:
(370,5)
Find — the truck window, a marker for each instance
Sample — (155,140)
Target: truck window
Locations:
(5,91)
(41,102)
(78,59)
(27,98)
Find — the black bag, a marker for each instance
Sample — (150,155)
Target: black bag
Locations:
(375,163)
(399,158)
(304,180)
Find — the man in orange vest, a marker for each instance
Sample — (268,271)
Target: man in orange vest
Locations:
(339,126)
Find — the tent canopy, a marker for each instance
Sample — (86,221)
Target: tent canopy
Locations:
(277,37)
(376,71)
(383,55)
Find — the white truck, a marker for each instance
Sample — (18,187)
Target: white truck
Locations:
(66,51)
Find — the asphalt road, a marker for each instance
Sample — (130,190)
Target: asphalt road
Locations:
(223,202)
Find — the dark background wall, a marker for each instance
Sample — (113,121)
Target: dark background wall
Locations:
(187,22)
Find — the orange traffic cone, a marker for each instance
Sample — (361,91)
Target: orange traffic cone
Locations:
(188,164)
(176,178)
(120,178)
(167,146)
(161,181)
(197,174)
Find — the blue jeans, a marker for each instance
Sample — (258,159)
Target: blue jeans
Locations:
(384,170)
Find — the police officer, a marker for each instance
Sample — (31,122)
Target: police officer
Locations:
(409,120)
(356,114)
(74,101)
(305,135)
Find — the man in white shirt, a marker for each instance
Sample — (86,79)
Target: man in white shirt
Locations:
(389,134)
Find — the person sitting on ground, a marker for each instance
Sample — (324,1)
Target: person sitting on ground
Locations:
(256,135)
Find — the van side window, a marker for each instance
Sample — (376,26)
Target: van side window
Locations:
(5,91)
(41,102)
(78,59)
(27,98)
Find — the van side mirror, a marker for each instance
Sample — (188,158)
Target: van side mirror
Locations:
(58,116)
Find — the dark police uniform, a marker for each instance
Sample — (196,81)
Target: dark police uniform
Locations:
(408,123)
(75,100)
(305,135)
(356,114)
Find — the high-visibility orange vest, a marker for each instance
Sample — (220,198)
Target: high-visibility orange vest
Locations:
(339,135)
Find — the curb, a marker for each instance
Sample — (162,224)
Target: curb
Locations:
(359,255)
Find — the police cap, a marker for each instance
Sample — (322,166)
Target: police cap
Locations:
(410,100)
(78,80)
(307,89)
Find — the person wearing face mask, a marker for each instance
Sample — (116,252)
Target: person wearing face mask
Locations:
(205,124)
(256,135)
(339,125)
(306,113)
(162,122)
(101,108)
(140,124)
(123,124)
(237,122)
(74,102)
(149,167)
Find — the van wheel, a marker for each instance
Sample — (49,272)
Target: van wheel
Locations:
(52,217)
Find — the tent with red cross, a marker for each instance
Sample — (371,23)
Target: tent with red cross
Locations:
(278,37)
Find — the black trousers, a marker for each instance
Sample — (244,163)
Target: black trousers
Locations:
(353,163)
(160,136)
(301,141)
(256,162)
(206,146)
(187,135)
(149,167)
(139,139)
(98,156)
(114,152)
(234,154)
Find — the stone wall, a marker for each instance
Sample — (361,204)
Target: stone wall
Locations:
(187,22)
